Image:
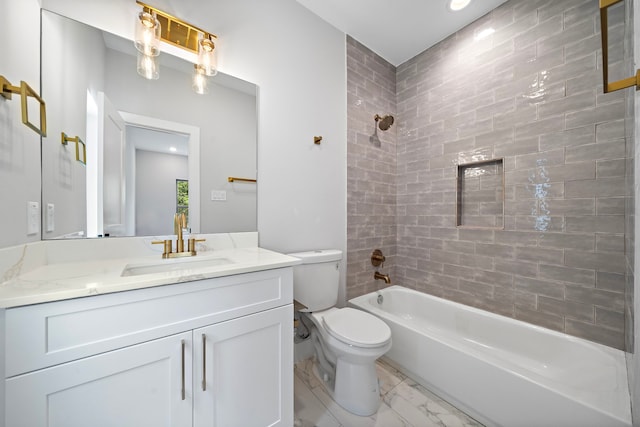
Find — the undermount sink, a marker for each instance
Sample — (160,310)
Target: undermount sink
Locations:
(167,266)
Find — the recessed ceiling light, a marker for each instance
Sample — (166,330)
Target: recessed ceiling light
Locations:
(456,5)
(173,149)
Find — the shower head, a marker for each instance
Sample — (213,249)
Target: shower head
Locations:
(384,123)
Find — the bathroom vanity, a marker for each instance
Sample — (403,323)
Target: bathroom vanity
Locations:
(205,341)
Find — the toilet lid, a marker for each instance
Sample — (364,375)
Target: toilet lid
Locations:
(357,327)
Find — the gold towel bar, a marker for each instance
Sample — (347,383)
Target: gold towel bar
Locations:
(7,89)
(64,139)
(233,179)
(620,84)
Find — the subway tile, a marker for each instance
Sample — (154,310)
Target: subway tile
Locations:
(493,277)
(474,288)
(567,274)
(608,336)
(610,131)
(546,320)
(490,249)
(610,243)
(516,238)
(594,296)
(540,32)
(567,138)
(610,168)
(596,115)
(541,222)
(610,205)
(541,127)
(539,287)
(610,281)
(601,261)
(570,309)
(576,102)
(518,268)
(574,207)
(521,146)
(477,261)
(460,247)
(540,160)
(475,235)
(596,224)
(603,187)
(537,190)
(540,255)
(609,318)
(584,242)
(601,151)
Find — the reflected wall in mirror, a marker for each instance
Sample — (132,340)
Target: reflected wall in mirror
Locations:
(141,136)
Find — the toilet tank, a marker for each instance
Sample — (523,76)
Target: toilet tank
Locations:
(317,279)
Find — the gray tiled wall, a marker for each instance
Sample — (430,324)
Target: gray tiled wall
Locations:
(371,168)
(531,93)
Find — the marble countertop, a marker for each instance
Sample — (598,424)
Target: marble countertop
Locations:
(66,280)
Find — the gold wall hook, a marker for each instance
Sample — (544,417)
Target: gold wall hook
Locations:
(317,140)
(64,140)
(25,91)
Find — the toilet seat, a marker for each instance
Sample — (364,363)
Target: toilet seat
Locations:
(356,327)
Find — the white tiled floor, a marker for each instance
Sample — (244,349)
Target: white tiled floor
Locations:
(404,403)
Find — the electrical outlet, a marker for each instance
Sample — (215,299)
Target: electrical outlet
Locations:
(51,217)
(33,218)
(218,195)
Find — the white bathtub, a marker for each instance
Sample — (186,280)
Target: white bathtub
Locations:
(499,370)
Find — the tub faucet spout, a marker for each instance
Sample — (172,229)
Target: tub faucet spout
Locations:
(379,276)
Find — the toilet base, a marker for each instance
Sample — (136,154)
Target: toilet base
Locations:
(356,388)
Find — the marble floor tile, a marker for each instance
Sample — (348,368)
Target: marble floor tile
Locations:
(404,403)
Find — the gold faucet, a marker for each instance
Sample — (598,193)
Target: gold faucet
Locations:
(379,276)
(179,222)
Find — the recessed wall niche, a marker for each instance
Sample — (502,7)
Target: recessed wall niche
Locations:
(480,194)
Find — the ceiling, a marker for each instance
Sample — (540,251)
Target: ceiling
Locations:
(398,30)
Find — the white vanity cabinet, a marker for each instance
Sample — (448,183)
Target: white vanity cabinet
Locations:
(214,352)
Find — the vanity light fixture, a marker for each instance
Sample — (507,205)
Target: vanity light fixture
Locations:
(457,5)
(154,25)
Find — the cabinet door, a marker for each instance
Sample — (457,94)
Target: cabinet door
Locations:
(136,386)
(247,368)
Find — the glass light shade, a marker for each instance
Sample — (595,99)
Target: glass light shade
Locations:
(207,56)
(147,35)
(148,66)
(200,83)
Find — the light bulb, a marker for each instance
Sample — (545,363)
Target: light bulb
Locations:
(200,83)
(148,66)
(206,56)
(147,34)
(457,5)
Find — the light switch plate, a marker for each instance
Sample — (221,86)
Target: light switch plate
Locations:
(51,217)
(33,218)
(218,195)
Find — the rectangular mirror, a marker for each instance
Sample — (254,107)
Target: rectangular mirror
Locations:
(143,137)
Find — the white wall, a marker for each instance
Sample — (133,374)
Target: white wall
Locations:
(73,58)
(298,62)
(19,145)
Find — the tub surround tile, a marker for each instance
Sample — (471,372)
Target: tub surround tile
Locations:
(536,100)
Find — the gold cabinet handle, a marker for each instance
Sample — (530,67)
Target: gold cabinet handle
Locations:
(204,362)
(183,391)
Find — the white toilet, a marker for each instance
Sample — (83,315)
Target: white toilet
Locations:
(347,341)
